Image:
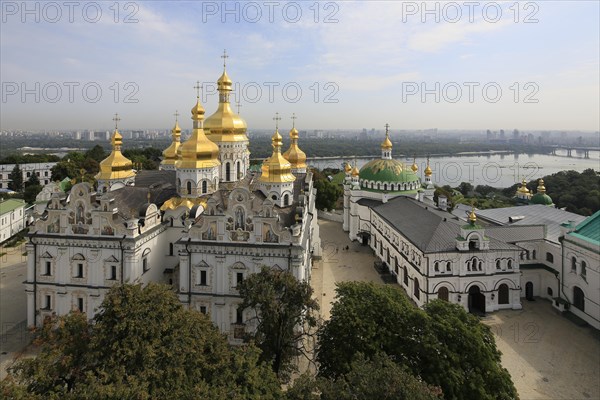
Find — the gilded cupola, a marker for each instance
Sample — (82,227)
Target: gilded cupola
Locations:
(276,169)
(116,165)
(225,125)
(294,155)
(170,154)
(198,151)
(414,167)
(428,171)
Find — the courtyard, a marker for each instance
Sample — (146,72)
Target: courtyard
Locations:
(548,356)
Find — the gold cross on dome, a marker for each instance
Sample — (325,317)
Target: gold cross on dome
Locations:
(224,57)
(277,119)
(294,120)
(387,128)
(176,115)
(198,87)
(238,105)
(116,119)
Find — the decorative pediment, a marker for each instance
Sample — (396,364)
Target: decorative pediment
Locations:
(111,259)
(46,255)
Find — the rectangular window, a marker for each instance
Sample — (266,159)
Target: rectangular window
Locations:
(203,278)
(549,257)
(48,303)
(79,271)
(239,316)
(203,309)
(170,249)
(45,173)
(80,304)
(113,273)
(239,278)
(48,268)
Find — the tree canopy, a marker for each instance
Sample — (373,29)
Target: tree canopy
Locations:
(142,344)
(16,179)
(284,311)
(442,345)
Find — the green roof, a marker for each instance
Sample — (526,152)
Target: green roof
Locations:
(589,229)
(338,178)
(541,198)
(10,205)
(383,170)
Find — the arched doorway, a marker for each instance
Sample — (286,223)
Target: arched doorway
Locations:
(529,291)
(503,294)
(443,293)
(476,300)
(578,298)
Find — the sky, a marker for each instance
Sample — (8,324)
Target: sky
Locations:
(336,65)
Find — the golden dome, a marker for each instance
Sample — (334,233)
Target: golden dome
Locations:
(428,171)
(472,216)
(541,188)
(523,188)
(387,143)
(198,151)
(294,155)
(355,171)
(171,153)
(414,167)
(347,168)
(116,165)
(276,169)
(225,125)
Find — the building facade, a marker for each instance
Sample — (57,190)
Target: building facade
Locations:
(12,218)
(42,170)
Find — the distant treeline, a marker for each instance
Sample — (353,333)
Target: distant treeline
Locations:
(260,147)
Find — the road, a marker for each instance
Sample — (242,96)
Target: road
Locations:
(13,305)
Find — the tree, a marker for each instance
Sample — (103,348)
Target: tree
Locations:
(33,180)
(142,344)
(96,153)
(443,345)
(31,192)
(16,179)
(465,188)
(327,194)
(284,311)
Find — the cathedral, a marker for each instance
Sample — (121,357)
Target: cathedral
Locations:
(202,223)
(485,260)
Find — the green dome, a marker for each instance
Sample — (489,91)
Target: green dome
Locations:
(390,171)
(541,198)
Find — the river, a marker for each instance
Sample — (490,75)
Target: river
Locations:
(497,170)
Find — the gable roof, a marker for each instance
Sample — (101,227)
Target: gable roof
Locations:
(10,205)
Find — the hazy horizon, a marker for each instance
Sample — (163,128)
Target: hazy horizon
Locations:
(334,64)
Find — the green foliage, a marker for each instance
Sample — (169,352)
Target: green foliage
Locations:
(148,157)
(28,158)
(30,193)
(142,344)
(16,179)
(443,345)
(328,193)
(284,311)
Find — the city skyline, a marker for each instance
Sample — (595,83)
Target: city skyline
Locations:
(352,67)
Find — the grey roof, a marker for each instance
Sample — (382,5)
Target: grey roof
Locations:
(131,199)
(431,230)
(514,234)
(535,214)
(150,178)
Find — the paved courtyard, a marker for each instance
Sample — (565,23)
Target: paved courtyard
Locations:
(548,356)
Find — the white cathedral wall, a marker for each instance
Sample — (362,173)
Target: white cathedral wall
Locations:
(588,283)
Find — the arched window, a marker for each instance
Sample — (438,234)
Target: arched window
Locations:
(509,264)
(533,254)
(417,291)
(578,298)
(204,186)
(503,297)
(405,273)
(497,264)
(385,186)
(448,266)
(227,171)
(189,187)
(549,257)
(573,264)
(436,266)
(239,170)
(286,200)
(480,265)
(583,269)
(443,293)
